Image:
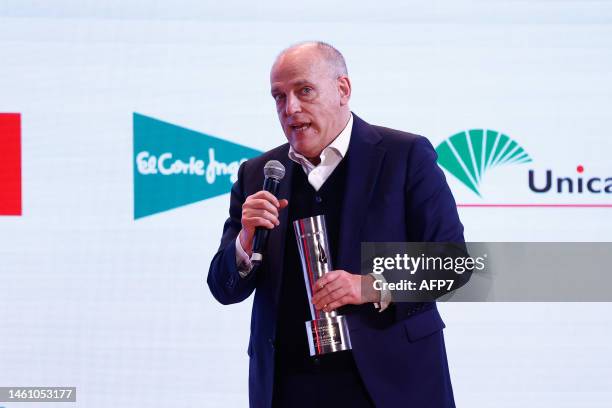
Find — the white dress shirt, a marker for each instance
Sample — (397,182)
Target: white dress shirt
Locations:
(330,157)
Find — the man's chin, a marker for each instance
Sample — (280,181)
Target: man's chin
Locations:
(305,148)
(301,142)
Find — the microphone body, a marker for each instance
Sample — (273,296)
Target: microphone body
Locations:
(274,171)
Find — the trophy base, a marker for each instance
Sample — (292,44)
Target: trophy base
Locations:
(328,335)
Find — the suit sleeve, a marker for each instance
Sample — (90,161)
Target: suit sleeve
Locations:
(224,280)
(430,210)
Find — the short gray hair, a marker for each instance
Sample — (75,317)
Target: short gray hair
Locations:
(330,53)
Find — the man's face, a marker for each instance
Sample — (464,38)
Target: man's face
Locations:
(311,102)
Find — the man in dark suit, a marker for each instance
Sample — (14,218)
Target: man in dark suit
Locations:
(373,184)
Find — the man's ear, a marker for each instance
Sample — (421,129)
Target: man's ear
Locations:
(344,89)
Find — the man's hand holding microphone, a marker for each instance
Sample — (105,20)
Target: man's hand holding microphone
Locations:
(260,214)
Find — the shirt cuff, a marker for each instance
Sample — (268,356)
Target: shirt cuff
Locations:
(385,294)
(243,262)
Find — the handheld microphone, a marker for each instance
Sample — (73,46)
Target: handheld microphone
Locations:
(274,172)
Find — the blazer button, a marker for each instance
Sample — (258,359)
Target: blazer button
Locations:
(318,199)
(271,341)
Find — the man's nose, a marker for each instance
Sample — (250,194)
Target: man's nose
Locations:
(293,105)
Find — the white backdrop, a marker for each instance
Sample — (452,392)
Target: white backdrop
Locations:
(118,307)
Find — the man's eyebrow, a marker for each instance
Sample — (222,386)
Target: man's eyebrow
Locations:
(298,82)
(275,89)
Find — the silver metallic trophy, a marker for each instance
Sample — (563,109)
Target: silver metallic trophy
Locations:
(327,332)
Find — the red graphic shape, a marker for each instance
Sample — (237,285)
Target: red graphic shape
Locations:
(10,164)
(580,168)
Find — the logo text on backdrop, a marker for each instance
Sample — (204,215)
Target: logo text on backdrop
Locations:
(175,166)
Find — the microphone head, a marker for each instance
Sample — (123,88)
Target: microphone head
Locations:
(274,169)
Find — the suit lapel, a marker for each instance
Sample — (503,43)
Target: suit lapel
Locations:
(364,162)
(277,239)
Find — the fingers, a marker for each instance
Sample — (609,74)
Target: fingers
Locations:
(255,214)
(266,195)
(325,291)
(259,210)
(336,289)
(250,223)
(326,279)
(323,301)
(260,204)
(345,300)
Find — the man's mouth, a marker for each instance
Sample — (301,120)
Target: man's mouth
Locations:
(299,127)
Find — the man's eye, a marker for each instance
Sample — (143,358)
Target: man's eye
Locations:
(277,97)
(306,90)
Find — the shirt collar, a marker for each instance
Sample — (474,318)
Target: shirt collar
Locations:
(339,145)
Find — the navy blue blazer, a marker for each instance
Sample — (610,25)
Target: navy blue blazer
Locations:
(395,192)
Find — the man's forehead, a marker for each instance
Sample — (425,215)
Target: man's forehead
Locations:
(297,74)
(298,61)
(292,69)
(300,53)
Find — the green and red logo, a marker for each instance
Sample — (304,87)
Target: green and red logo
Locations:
(10,164)
(471,155)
